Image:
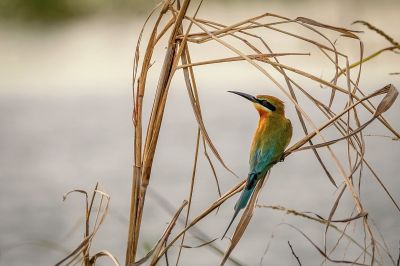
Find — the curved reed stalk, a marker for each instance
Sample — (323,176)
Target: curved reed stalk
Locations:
(178,29)
(211,31)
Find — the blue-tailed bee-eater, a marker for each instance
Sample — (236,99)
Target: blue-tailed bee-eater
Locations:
(272,136)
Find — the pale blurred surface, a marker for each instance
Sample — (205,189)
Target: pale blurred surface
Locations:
(65,116)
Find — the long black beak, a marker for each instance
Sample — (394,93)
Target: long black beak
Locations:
(245,95)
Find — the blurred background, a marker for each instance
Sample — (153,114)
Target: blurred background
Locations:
(65,123)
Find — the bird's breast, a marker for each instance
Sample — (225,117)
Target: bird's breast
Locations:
(270,139)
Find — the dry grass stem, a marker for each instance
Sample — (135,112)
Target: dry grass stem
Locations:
(82,251)
(346,107)
(346,121)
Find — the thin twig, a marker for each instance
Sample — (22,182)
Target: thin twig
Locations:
(294,254)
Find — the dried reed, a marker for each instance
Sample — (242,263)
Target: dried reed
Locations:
(174,20)
(178,48)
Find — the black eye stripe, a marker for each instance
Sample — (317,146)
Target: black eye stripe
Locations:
(267,105)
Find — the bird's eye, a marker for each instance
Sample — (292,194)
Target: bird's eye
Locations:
(268,105)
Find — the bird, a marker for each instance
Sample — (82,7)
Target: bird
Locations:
(272,136)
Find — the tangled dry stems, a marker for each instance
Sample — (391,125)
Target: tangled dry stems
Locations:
(349,127)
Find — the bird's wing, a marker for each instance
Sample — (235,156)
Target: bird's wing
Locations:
(289,132)
(260,162)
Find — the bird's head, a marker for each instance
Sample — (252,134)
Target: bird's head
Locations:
(264,104)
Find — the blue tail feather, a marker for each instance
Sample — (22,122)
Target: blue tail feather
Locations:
(230,223)
(240,204)
(244,198)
